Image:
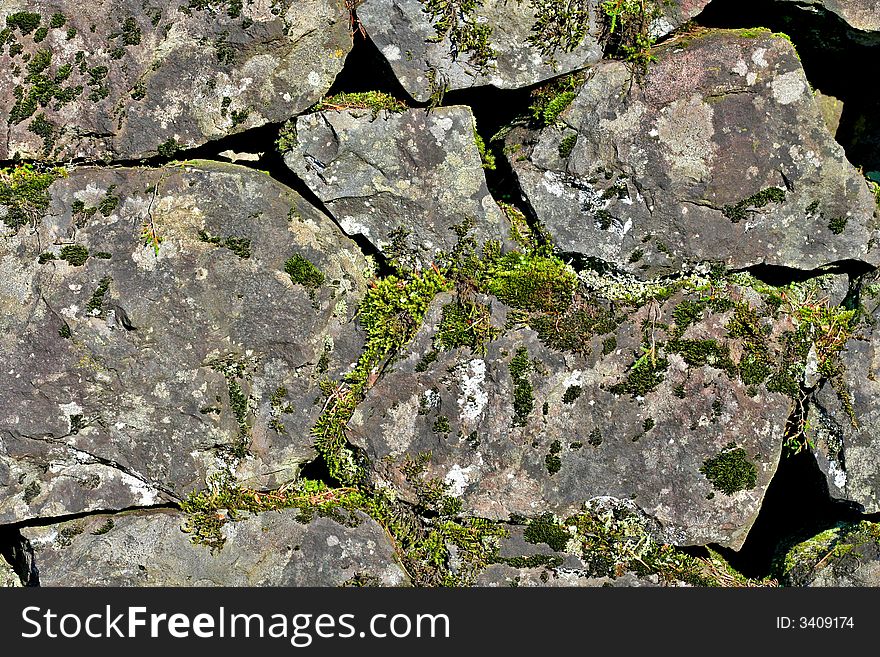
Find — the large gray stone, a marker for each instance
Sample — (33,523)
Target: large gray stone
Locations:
(517,54)
(665,171)
(415,171)
(200,354)
(459,412)
(134,76)
(269,549)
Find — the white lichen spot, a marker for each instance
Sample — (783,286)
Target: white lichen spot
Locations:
(391,52)
(741,68)
(145,493)
(457,479)
(71,408)
(837,475)
(686,129)
(473,397)
(314,79)
(332,541)
(788,87)
(758,57)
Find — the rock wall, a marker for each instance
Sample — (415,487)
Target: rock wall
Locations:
(547,297)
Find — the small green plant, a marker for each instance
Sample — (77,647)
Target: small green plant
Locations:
(169,148)
(457,22)
(75,254)
(566,146)
(24,190)
(740,211)
(837,225)
(627,31)
(302,271)
(523,397)
(375,101)
(730,470)
(465,324)
(487,158)
(550,100)
(559,25)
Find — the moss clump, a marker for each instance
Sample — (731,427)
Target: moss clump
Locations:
(740,211)
(626,30)
(65,332)
(532,282)
(240,246)
(523,398)
(75,254)
(730,470)
(58,20)
(93,307)
(686,313)
(704,352)
(24,192)
(390,314)
(559,26)
(609,345)
(24,21)
(43,258)
(574,329)
(837,225)
(457,22)
(550,100)
(465,324)
(109,203)
(234,370)
(42,88)
(546,529)
(566,146)
(441,425)
(375,101)
(169,148)
(552,461)
(645,374)
(571,394)
(302,271)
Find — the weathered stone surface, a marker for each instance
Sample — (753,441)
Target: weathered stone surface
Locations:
(518,51)
(845,555)
(859,14)
(200,352)
(126,77)
(416,171)
(462,410)
(844,422)
(672,170)
(269,549)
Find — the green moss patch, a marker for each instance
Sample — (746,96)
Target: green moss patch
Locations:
(730,470)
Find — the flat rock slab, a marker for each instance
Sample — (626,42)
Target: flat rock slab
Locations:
(417,172)
(117,79)
(269,549)
(178,346)
(494,446)
(518,49)
(719,154)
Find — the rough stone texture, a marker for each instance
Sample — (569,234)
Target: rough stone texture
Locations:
(134,407)
(417,171)
(269,549)
(497,468)
(719,118)
(403,31)
(177,72)
(845,555)
(859,14)
(848,447)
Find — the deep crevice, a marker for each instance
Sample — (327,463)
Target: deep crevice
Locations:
(44,521)
(834,57)
(19,554)
(796,507)
(779,275)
